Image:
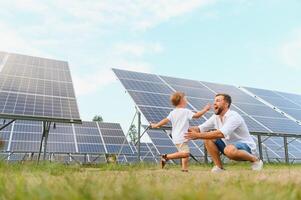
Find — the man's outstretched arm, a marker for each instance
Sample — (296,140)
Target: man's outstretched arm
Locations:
(193,134)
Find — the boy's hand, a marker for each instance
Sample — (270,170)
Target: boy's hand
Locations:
(207,107)
(153,125)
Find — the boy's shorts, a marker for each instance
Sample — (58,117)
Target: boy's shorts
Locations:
(183,147)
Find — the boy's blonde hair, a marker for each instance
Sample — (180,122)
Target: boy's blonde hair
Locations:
(176,98)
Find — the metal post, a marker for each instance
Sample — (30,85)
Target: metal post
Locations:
(260,147)
(286,150)
(205,154)
(139,136)
(46,129)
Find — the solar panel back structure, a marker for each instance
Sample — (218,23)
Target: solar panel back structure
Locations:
(148,90)
(148,154)
(34,88)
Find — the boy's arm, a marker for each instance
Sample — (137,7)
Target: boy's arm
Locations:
(202,112)
(161,123)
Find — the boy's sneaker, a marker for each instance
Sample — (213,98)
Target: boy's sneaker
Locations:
(163,160)
(216,169)
(2,143)
(257,166)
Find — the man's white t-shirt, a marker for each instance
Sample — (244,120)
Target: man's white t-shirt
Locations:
(232,126)
(179,119)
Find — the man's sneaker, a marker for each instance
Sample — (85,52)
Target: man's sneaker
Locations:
(257,166)
(216,169)
(163,160)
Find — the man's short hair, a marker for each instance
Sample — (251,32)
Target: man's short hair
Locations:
(176,98)
(227,98)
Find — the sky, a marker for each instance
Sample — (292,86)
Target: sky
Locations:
(254,43)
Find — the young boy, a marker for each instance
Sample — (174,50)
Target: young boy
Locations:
(179,118)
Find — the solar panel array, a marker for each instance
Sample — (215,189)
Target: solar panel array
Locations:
(288,103)
(85,138)
(147,91)
(36,88)
(150,93)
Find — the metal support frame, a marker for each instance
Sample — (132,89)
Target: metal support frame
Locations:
(139,137)
(6,125)
(44,139)
(127,134)
(205,154)
(260,147)
(286,150)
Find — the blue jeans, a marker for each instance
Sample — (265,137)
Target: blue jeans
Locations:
(239,145)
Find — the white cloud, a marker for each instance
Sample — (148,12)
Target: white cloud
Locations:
(291,51)
(54,24)
(127,56)
(12,42)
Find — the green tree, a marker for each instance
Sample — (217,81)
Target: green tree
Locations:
(97,118)
(133,134)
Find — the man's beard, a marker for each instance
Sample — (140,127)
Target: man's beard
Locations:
(219,111)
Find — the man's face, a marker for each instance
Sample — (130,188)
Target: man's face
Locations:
(219,105)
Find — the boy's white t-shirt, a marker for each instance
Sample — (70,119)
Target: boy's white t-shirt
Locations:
(179,119)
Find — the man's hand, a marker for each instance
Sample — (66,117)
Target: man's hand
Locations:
(194,128)
(192,135)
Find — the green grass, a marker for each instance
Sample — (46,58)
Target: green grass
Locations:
(57,181)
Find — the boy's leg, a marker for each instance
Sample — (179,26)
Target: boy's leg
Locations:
(185,163)
(177,155)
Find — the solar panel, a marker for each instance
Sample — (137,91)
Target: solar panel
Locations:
(89,139)
(36,88)
(286,102)
(114,138)
(85,138)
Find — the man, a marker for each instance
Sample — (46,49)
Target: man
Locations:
(230,135)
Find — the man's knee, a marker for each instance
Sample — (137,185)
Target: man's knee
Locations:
(230,151)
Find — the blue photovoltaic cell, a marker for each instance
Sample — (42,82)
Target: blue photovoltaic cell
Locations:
(149,99)
(25,136)
(146,86)
(85,133)
(182,82)
(295,98)
(114,138)
(36,88)
(61,139)
(202,93)
(286,102)
(123,74)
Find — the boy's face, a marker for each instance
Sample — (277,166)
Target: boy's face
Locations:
(184,101)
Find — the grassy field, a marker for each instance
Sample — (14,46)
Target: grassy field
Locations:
(57,181)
